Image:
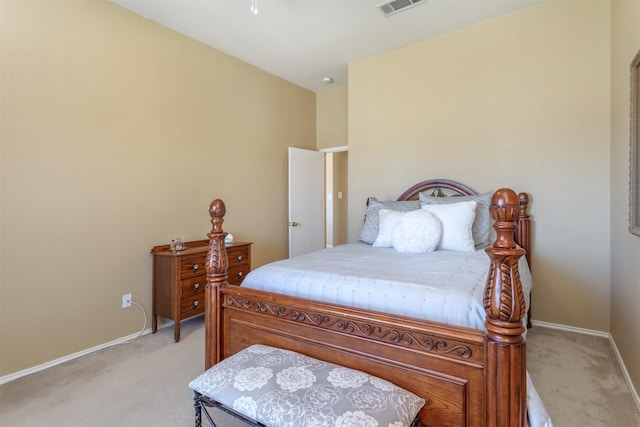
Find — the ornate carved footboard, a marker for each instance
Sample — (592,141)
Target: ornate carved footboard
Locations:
(466,376)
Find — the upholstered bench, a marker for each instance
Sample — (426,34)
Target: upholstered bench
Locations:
(268,386)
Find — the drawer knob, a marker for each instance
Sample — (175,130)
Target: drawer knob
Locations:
(195,304)
(239,274)
(195,267)
(239,258)
(196,286)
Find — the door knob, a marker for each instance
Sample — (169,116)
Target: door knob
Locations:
(293,224)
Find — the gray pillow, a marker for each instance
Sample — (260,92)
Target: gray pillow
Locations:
(482,230)
(371,222)
(281,388)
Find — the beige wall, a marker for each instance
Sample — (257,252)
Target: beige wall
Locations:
(116,135)
(332,118)
(340,204)
(625,247)
(520,101)
(331,132)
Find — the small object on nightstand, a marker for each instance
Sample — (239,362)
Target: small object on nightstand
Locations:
(180,278)
(179,243)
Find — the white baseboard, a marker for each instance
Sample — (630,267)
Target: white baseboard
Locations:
(607,335)
(570,329)
(34,369)
(625,373)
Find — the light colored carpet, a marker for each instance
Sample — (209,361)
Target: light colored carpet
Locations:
(579,379)
(145,383)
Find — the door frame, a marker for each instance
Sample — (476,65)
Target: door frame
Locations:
(329,220)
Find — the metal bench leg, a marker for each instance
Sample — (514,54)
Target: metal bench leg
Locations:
(199,403)
(198,408)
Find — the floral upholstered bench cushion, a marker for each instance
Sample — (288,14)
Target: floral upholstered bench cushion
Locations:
(282,388)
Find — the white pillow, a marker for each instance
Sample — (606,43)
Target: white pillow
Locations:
(483,233)
(457,220)
(388,219)
(417,232)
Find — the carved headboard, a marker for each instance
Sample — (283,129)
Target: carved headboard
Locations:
(438,187)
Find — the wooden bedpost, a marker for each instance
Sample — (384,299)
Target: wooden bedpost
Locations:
(523,235)
(216,266)
(505,306)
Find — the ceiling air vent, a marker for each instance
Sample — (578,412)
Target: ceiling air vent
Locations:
(389,8)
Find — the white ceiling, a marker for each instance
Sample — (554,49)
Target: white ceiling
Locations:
(304,40)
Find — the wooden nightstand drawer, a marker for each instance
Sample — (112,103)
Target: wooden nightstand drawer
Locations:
(191,306)
(193,286)
(193,266)
(238,256)
(236,275)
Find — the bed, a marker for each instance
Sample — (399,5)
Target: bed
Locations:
(468,376)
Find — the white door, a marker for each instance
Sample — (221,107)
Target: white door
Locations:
(306,201)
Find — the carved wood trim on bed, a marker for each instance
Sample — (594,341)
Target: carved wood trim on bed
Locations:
(468,377)
(436,185)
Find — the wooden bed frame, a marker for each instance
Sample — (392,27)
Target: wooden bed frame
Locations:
(468,377)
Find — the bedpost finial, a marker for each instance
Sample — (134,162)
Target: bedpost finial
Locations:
(504,211)
(524,199)
(504,196)
(524,205)
(217,209)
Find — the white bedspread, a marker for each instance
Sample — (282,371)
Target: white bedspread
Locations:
(440,286)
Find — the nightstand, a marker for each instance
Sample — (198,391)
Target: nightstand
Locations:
(180,277)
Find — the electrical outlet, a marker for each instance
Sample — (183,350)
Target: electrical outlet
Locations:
(126,300)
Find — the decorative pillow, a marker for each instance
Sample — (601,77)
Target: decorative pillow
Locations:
(457,220)
(483,233)
(417,232)
(370,228)
(282,388)
(388,219)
